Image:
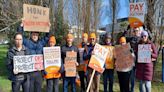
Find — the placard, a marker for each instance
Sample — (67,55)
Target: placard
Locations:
(36,18)
(28,63)
(144,53)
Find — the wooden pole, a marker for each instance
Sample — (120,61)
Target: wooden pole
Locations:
(93,73)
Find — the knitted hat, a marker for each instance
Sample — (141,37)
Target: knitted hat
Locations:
(122,40)
(92,35)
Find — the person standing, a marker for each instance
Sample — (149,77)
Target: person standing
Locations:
(124,74)
(87,55)
(35,46)
(81,68)
(108,74)
(66,48)
(144,71)
(18,79)
(52,79)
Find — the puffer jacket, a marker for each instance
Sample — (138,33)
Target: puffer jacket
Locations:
(9,62)
(145,70)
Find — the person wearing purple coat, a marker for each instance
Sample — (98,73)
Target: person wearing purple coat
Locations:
(144,71)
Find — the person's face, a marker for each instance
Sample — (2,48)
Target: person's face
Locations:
(136,33)
(93,41)
(108,40)
(51,44)
(85,40)
(34,36)
(69,41)
(18,40)
(144,38)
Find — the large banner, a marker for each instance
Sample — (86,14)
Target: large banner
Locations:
(137,12)
(109,64)
(97,60)
(124,58)
(52,59)
(36,18)
(70,64)
(144,53)
(28,63)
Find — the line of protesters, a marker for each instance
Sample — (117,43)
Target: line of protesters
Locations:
(32,82)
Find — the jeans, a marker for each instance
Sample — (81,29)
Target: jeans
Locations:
(71,81)
(16,85)
(108,76)
(52,85)
(36,81)
(132,79)
(124,81)
(145,86)
(82,81)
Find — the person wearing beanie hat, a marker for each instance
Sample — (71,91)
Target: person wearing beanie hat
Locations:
(108,74)
(83,63)
(87,55)
(52,79)
(144,71)
(124,74)
(69,47)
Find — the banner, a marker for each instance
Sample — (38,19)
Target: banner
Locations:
(70,64)
(137,12)
(97,60)
(52,59)
(28,63)
(109,64)
(36,18)
(144,53)
(124,58)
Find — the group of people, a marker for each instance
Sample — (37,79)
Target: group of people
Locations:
(32,82)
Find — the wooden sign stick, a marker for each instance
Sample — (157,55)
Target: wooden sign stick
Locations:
(93,73)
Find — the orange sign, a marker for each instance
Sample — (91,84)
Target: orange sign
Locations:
(97,60)
(36,18)
(137,12)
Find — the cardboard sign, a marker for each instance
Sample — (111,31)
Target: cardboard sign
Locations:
(144,53)
(36,18)
(124,58)
(28,63)
(137,12)
(97,60)
(52,59)
(109,64)
(70,64)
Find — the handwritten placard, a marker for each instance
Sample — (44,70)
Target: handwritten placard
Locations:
(70,64)
(124,58)
(52,59)
(144,53)
(36,18)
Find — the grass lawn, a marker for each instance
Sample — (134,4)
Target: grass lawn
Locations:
(5,84)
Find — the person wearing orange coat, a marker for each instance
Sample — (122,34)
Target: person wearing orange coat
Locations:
(52,80)
(82,66)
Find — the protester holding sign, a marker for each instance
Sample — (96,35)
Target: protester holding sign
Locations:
(124,64)
(108,74)
(69,47)
(35,46)
(144,70)
(83,63)
(53,70)
(18,79)
(87,55)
